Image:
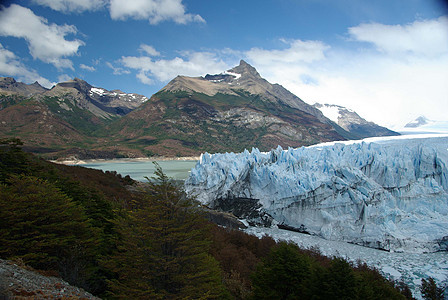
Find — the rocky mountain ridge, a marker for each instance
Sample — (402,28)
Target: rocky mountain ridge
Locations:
(242,77)
(99,101)
(349,120)
(9,85)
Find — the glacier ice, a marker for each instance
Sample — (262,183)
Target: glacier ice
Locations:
(388,193)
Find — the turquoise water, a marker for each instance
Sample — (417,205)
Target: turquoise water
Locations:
(138,170)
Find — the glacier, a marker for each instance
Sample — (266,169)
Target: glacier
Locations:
(385,193)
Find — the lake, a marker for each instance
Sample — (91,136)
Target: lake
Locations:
(138,170)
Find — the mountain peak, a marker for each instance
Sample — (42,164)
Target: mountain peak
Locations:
(245,69)
(421,120)
(9,84)
(4,81)
(76,83)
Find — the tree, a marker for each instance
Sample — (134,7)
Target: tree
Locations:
(339,281)
(430,290)
(43,226)
(283,274)
(12,159)
(164,252)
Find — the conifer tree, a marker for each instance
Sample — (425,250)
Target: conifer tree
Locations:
(42,226)
(164,249)
(430,290)
(283,274)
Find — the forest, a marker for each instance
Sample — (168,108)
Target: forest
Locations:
(121,239)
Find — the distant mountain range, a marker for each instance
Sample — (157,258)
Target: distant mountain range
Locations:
(231,111)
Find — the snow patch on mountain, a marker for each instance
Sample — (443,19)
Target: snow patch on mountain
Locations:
(97,91)
(390,194)
(114,94)
(331,112)
(236,75)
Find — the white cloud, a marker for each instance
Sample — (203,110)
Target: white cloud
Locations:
(45,42)
(144,78)
(406,78)
(10,65)
(428,37)
(297,52)
(155,11)
(64,78)
(67,6)
(117,70)
(189,64)
(150,50)
(87,68)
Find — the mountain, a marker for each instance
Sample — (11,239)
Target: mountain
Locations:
(100,102)
(231,111)
(9,85)
(420,121)
(352,122)
(390,194)
(424,125)
(65,117)
(242,77)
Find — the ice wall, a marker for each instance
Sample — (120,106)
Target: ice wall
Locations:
(389,194)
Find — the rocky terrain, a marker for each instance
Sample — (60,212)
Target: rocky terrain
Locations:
(18,281)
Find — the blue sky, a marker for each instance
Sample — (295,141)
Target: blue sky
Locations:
(387,60)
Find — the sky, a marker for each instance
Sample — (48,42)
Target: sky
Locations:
(385,59)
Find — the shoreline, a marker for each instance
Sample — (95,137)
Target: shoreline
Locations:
(118,160)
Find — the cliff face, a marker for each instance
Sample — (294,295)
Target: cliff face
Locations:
(392,195)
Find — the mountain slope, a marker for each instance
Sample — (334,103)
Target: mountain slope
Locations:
(242,77)
(66,117)
(231,111)
(352,122)
(101,102)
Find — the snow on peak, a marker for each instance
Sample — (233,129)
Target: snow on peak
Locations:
(98,91)
(236,75)
(391,194)
(127,97)
(332,111)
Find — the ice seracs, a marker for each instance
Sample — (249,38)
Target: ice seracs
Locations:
(391,194)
